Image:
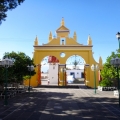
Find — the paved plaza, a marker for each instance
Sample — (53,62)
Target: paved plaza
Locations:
(61,104)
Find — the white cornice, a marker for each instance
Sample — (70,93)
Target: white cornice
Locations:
(65,47)
(62,31)
(45,45)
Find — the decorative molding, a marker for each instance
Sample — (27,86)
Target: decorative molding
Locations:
(63,47)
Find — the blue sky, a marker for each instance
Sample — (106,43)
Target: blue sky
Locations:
(99,18)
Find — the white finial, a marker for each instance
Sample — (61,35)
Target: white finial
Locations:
(62,22)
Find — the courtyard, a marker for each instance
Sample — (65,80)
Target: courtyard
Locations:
(61,104)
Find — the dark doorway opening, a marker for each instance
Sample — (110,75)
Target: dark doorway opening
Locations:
(82,75)
(72,73)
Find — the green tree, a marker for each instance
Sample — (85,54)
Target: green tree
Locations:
(6,5)
(19,70)
(109,72)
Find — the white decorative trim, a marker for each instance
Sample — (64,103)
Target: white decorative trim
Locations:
(63,47)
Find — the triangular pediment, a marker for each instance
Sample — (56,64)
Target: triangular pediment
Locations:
(62,28)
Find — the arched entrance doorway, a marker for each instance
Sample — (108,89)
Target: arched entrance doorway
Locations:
(75,69)
(48,74)
(44,70)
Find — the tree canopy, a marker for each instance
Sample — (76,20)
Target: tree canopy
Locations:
(109,72)
(6,5)
(19,70)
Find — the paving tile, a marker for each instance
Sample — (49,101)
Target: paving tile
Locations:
(62,104)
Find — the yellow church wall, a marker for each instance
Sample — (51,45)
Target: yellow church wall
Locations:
(71,41)
(90,73)
(33,81)
(43,53)
(68,41)
(54,41)
(26,82)
(65,34)
(85,54)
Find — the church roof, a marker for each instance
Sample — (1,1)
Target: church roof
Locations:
(62,29)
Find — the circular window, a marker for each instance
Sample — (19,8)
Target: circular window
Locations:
(62,54)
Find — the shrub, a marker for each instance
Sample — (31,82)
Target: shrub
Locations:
(106,83)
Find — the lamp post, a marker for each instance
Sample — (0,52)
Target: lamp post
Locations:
(30,68)
(118,37)
(94,68)
(6,62)
(63,70)
(116,63)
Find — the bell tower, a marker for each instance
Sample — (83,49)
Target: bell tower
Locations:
(62,31)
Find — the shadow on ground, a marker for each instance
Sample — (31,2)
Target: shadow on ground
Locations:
(46,105)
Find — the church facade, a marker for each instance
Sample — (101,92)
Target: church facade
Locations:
(67,46)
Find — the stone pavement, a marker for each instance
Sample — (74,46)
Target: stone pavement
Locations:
(61,104)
